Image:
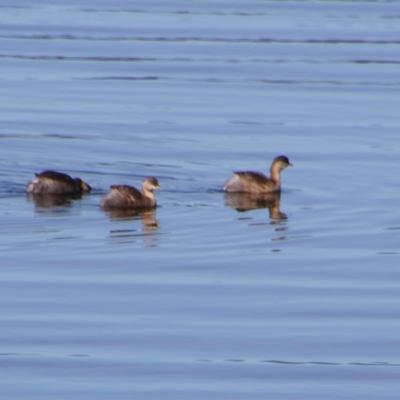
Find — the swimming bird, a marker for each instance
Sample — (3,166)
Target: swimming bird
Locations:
(52,182)
(256,182)
(125,196)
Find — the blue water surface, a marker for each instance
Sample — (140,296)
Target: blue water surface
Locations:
(201,298)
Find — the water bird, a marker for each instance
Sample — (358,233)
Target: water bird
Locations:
(125,196)
(257,182)
(52,182)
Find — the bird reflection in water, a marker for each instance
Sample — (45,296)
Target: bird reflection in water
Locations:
(45,203)
(250,201)
(149,225)
(147,216)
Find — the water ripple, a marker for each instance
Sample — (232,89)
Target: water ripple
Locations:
(197,39)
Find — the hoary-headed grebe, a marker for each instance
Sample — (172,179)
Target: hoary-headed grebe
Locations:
(256,182)
(124,196)
(52,182)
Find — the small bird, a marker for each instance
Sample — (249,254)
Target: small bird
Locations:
(52,182)
(256,182)
(125,196)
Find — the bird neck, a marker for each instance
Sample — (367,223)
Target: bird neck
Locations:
(149,195)
(275,173)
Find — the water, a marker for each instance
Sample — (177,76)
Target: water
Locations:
(196,299)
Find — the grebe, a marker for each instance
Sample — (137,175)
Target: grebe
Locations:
(52,182)
(124,196)
(256,182)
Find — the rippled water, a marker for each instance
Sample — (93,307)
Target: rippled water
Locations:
(201,299)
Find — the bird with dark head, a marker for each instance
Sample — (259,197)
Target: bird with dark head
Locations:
(125,196)
(52,182)
(257,182)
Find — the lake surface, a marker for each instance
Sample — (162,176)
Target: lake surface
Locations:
(201,299)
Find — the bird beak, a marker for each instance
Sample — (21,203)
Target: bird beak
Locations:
(85,187)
